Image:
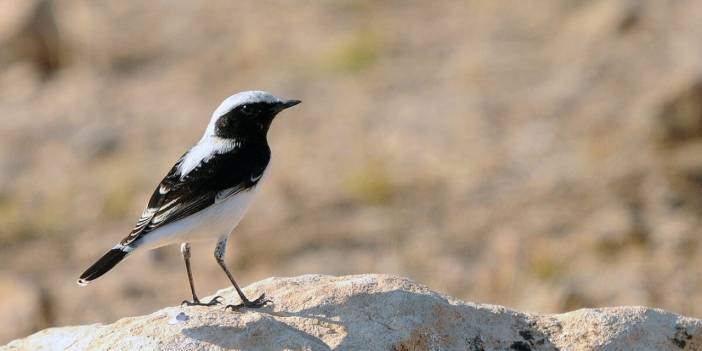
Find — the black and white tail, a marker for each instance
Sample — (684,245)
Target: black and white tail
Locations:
(104,264)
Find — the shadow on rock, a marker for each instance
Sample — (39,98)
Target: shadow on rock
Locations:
(406,320)
(267,332)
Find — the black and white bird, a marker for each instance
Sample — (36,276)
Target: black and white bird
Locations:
(207,192)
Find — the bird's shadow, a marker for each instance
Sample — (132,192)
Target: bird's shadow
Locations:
(250,336)
(363,325)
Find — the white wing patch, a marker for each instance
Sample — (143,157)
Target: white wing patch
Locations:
(168,204)
(163,215)
(143,221)
(146,216)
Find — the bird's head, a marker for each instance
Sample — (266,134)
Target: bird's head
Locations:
(246,115)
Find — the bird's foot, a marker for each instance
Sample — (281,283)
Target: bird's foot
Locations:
(261,301)
(196,302)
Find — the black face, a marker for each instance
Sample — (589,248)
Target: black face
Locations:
(250,121)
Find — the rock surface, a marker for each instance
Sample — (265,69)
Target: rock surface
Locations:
(373,312)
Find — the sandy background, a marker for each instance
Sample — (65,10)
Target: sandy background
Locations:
(546,156)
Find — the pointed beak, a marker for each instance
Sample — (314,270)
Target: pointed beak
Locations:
(288,103)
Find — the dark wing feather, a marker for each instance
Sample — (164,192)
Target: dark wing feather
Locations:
(178,196)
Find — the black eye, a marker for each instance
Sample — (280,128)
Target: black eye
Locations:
(246,109)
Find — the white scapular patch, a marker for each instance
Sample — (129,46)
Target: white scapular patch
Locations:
(207,147)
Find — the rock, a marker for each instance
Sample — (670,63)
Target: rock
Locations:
(373,312)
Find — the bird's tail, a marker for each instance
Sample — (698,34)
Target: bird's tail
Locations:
(104,264)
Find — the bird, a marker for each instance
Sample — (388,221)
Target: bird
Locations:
(207,192)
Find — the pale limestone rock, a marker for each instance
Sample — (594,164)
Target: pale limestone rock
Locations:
(373,312)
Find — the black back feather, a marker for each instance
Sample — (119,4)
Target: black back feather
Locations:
(238,169)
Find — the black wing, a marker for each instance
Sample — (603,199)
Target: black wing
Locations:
(218,176)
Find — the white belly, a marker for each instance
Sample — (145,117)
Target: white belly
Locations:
(211,223)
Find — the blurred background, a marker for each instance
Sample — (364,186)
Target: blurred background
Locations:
(545,156)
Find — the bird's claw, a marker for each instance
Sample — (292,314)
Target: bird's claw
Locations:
(261,301)
(215,301)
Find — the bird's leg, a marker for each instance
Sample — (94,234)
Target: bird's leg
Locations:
(245,302)
(185,250)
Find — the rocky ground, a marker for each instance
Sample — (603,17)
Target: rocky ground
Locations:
(544,156)
(373,312)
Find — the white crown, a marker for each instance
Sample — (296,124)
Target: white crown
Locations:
(245,97)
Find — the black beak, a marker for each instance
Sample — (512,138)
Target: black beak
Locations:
(287,104)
